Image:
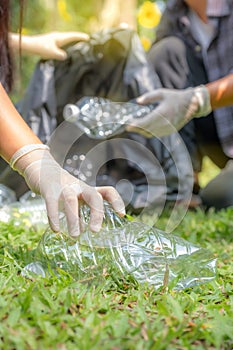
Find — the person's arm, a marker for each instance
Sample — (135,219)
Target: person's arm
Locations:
(15,133)
(176,107)
(221,92)
(48,45)
(32,159)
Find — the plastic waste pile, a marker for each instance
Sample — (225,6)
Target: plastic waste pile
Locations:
(133,248)
(101,118)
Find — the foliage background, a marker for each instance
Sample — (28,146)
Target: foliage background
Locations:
(41,16)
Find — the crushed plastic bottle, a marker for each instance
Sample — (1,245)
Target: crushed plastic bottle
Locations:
(133,248)
(30,210)
(101,118)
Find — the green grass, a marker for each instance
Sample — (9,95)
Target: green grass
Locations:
(61,313)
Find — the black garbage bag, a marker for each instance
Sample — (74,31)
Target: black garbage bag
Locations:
(112,64)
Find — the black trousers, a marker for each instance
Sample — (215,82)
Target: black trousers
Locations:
(178,66)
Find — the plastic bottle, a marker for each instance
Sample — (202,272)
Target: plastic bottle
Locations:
(29,210)
(133,248)
(101,118)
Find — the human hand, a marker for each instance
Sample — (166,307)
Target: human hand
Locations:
(45,176)
(175,108)
(49,45)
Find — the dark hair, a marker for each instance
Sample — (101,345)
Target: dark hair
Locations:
(6,66)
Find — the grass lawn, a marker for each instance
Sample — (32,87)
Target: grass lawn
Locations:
(61,313)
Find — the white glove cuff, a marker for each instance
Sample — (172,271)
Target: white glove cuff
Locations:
(203,97)
(25,150)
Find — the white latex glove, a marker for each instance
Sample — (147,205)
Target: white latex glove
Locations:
(49,45)
(45,176)
(175,108)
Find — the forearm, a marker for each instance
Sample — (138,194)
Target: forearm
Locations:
(221,92)
(15,133)
(27,43)
(47,45)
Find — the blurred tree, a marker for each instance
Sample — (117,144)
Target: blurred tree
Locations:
(118,12)
(35,16)
(34,20)
(44,16)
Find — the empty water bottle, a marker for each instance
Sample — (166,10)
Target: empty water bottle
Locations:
(29,210)
(133,248)
(101,118)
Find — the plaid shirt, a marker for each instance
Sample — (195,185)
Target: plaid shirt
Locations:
(219,58)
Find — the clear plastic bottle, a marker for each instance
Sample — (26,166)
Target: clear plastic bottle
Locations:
(133,248)
(101,118)
(29,210)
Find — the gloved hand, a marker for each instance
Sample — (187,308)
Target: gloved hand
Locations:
(175,108)
(49,45)
(45,176)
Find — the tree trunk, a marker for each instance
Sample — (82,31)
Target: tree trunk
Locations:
(118,12)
